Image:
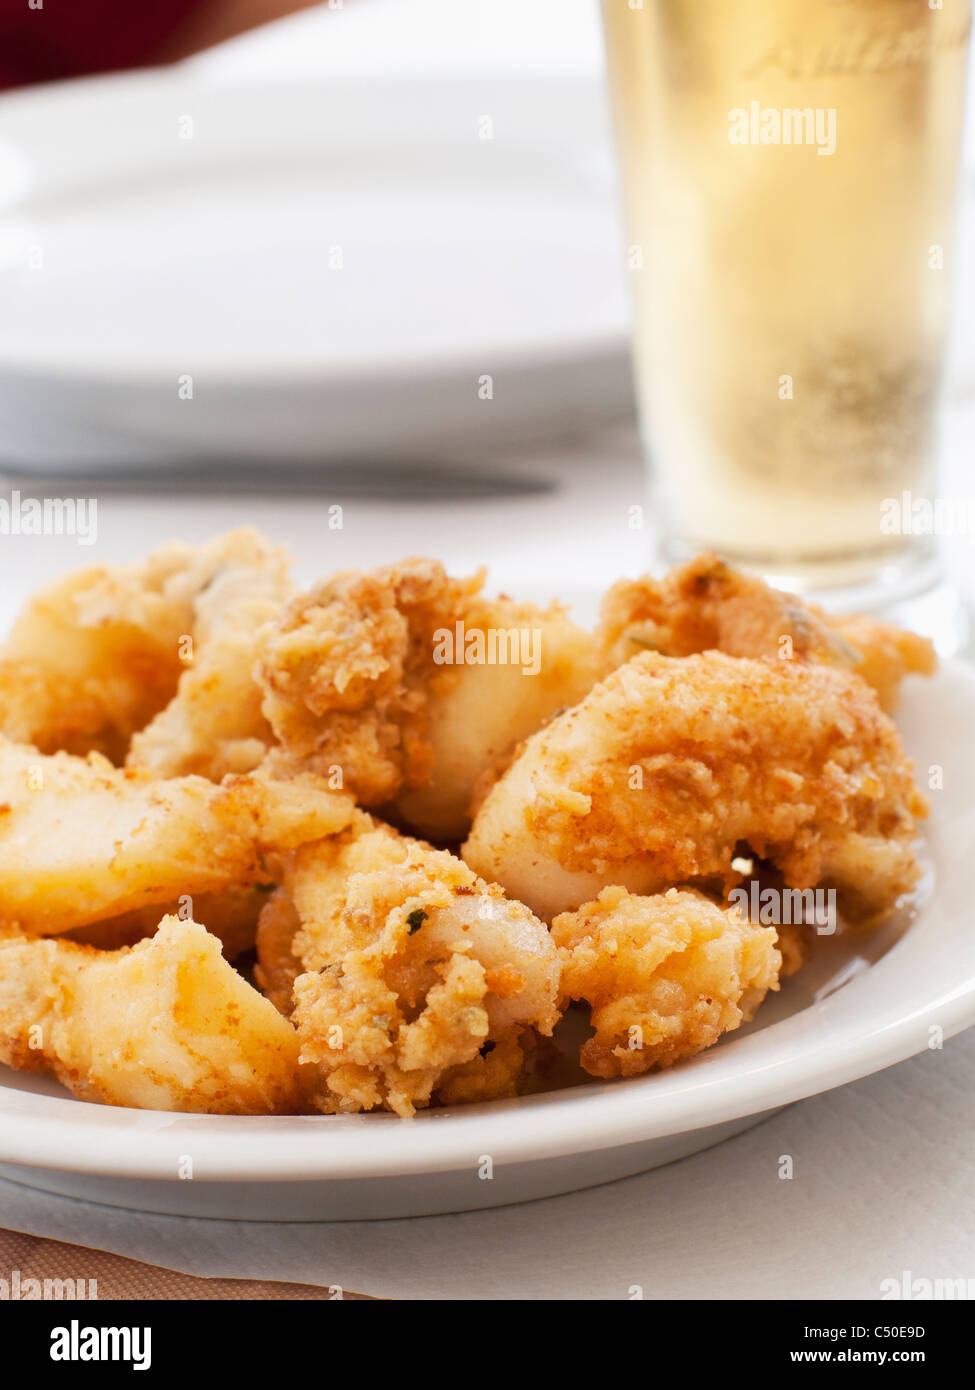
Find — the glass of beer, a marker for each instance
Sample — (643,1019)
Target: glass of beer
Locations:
(790,174)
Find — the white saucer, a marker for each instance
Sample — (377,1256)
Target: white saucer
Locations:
(335,269)
(862,1005)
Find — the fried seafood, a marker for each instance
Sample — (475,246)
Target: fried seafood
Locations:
(795,947)
(478,714)
(412,968)
(886,654)
(231,915)
(707,605)
(213,725)
(82,841)
(85,666)
(659,774)
(187,740)
(665,976)
(411,686)
(277,965)
(94,657)
(499,1070)
(167,1025)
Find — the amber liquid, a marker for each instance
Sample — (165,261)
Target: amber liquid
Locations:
(791,305)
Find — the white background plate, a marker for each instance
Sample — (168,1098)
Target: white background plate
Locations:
(862,1006)
(131,257)
(211,251)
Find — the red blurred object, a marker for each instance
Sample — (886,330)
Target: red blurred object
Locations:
(66,38)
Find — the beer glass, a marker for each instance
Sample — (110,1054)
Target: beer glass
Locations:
(790,171)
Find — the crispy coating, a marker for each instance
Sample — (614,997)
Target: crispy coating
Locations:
(95,656)
(231,915)
(479,714)
(412,965)
(496,1073)
(795,947)
(886,653)
(53,711)
(82,841)
(659,774)
(213,726)
(73,677)
(344,673)
(357,683)
(665,976)
(277,965)
(708,605)
(167,1025)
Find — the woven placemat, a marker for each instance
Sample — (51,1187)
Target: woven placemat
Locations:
(108,1276)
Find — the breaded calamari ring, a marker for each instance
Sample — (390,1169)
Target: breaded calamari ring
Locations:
(412,966)
(412,686)
(82,841)
(213,725)
(665,976)
(478,714)
(656,777)
(96,655)
(277,966)
(708,605)
(165,1025)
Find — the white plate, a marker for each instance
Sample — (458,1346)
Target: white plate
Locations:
(863,1005)
(335,265)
